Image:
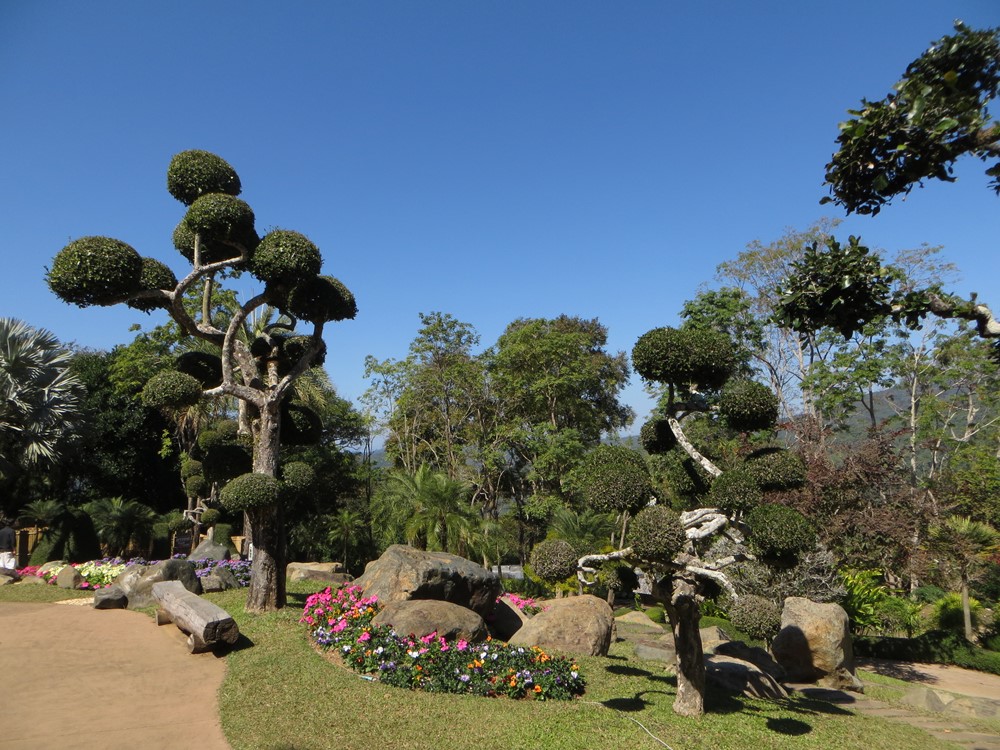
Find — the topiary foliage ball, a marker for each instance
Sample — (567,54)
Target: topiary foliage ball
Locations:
(618,576)
(704,358)
(553,560)
(735,491)
(298,476)
(221,218)
(321,299)
(195,173)
(657,437)
(292,349)
(196,486)
(204,367)
(211,252)
(190,467)
(154,275)
(756,616)
(656,534)
(211,516)
(250,491)
(95,271)
(170,389)
(776,469)
(777,531)
(748,406)
(614,478)
(285,257)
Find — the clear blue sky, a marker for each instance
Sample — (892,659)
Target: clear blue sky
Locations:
(488,159)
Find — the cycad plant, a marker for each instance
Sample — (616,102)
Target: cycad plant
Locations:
(962,546)
(122,525)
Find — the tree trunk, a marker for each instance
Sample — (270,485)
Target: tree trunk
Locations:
(967,612)
(267,528)
(684,613)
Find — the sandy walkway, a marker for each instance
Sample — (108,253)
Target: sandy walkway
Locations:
(938,677)
(102,680)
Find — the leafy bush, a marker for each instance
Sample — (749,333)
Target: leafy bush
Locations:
(735,490)
(656,533)
(934,646)
(615,479)
(657,437)
(341,622)
(194,173)
(776,468)
(756,616)
(251,490)
(779,531)
(204,367)
(169,389)
(748,406)
(618,577)
(285,257)
(897,614)
(554,560)
(220,218)
(864,595)
(684,356)
(947,612)
(928,594)
(95,271)
(210,517)
(322,299)
(154,275)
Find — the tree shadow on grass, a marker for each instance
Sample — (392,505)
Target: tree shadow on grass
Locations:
(633,704)
(241,643)
(628,671)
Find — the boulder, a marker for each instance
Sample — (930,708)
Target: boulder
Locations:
(69,578)
(330,573)
(404,573)
(637,620)
(753,654)
(712,637)
(814,645)
(129,577)
(741,678)
(111,597)
(507,619)
(420,617)
(578,625)
(33,581)
(6,579)
(663,651)
(50,566)
(167,570)
(210,550)
(220,579)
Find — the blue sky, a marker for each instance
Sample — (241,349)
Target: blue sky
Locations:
(492,160)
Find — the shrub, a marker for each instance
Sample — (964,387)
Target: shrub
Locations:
(154,275)
(934,647)
(95,271)
(656,436)
(735,490)
(210,516)
(619,577)
(204,367)
(656,533)
(251,490)
(195,173)
(285,257)
(221,218)
(169,389)
(928,594)
(322,299)
(865,593)
(748,406)
(947,612)
(758,617)
(775,468)
(553,560)
(897,614)
(684,356)
(779,531)
(615,479)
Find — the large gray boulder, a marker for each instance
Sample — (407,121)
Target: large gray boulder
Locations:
(69,578)
(421,617)
(129,577)
(167,570)
(577,625)
(111,597)
(210,550)
(404,573)
(814,645)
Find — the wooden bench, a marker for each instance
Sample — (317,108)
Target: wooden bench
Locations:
(207,625)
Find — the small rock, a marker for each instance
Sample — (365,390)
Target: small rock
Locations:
(210,550)
(111,597)
(69,578)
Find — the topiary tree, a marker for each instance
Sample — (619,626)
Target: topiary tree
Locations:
(217,236)
(686,554)
(553,560)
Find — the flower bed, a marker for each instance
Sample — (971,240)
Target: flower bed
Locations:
(341,622)
(98,574)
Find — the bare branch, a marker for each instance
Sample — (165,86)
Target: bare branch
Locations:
(686,444)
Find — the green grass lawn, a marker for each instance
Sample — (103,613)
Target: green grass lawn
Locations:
(280,694)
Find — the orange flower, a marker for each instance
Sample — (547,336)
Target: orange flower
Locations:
(538,688)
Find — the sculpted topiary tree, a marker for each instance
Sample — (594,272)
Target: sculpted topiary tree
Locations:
(685,553)
(218,238)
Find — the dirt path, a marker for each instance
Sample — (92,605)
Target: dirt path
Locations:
(103,680)
(938,677)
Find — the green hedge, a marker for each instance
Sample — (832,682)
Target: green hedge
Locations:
(934,646)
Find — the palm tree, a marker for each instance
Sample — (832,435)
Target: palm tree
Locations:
(428,509)
(40,399)
(344,527)
(122,525)
(964,545)
(585,531)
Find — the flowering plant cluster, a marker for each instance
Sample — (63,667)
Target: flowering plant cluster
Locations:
(99,574)
(526,604)
(341,621)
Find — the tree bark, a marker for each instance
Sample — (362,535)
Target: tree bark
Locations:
(267,524)
(684,613)
(967,612)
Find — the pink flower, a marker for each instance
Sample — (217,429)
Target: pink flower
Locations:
(462,645)
(341,624)
(429,637)
(366,636)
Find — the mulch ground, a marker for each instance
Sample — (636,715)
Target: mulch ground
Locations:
(76,677)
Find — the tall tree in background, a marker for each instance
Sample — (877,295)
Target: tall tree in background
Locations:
(217,236)
(40,401)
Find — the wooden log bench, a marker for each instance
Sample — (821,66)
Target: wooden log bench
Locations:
(208,625)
